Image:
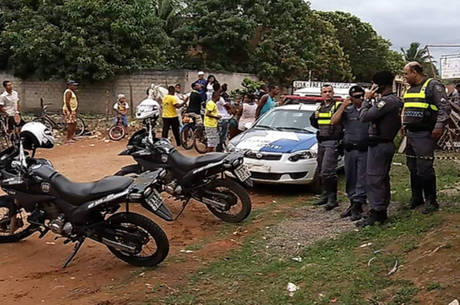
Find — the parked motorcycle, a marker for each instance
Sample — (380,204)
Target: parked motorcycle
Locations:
(39,199)
(204,178)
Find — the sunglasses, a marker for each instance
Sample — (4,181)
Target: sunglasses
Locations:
(358,96)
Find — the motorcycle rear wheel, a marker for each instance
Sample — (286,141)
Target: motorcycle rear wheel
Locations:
(7,212)
(237,199)
(135,223)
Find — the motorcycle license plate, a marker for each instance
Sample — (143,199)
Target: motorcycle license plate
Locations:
(242,172)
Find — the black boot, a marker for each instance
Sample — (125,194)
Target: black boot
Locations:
(323,199)
(429,188)
(347,212)
(356,210)
(331,202)
(416,185)
(374,216)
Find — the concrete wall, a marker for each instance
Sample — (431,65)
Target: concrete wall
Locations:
(99,97)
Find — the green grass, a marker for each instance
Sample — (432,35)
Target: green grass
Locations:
(334,269)
(331,271)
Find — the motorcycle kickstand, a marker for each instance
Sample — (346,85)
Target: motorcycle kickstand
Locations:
(75,250)
(184,205)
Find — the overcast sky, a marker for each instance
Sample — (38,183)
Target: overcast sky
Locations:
(405,21)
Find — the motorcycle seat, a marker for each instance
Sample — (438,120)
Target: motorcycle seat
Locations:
(79,193)
(188,163)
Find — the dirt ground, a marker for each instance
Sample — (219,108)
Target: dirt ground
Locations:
(31,269)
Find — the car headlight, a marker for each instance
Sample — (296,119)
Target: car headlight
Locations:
(303,154)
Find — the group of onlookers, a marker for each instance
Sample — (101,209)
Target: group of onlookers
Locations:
(209,103)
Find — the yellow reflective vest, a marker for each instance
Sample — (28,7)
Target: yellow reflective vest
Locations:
(419,113)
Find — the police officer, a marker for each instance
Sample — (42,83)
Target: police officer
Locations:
(425,114)
(383,113)
(355,142)
(328,136)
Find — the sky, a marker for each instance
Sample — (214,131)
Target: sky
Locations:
(406,21)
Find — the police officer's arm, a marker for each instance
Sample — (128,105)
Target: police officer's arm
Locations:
(371,113)
(338,115)
(437,95)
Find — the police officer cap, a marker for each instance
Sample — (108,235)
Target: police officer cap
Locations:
(383,78)
(356,91)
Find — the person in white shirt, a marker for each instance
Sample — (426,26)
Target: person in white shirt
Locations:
(223,108)
(248,112)
(9,105)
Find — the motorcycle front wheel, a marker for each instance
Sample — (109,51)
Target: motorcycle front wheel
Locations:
(152,243)
(231,194)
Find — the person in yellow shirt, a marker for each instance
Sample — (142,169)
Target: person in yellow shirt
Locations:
(170,119)
(69,110)
(211,119)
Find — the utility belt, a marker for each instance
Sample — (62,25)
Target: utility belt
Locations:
(328,138)
(361,146)
(375,141)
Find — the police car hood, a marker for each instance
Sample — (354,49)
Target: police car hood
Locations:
(265,140)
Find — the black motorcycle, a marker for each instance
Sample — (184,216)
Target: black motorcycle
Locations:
(204,178)
(39,199)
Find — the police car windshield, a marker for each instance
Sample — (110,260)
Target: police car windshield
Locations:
(284,119)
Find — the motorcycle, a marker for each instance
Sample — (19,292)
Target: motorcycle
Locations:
(204,178)
(40,199)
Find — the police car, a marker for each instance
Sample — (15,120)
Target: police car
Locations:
(281,146)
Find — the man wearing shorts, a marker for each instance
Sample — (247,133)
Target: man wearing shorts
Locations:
(211,119)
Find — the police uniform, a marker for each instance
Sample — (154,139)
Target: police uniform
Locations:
(385,122)
(328,151)
(425,108)
(355,142)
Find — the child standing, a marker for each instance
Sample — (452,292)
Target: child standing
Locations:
(121,107)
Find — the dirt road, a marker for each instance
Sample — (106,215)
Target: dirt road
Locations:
(31,273)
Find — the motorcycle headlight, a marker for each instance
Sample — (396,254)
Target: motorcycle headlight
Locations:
(303,154)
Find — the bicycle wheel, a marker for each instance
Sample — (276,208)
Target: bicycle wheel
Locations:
(199,140)
(186,137)
(81,127)
(117,132)
(4,136)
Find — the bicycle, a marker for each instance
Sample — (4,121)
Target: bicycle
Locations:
(186,132)
(117,131)
(7,136)
(45,118)
(199,139)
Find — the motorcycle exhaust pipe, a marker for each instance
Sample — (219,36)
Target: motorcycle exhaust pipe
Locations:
(119,246)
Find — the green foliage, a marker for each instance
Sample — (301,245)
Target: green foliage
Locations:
(415,53)
(279,40)
(88,40)
(249,87)
(367,51)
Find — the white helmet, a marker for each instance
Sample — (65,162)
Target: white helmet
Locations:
(148,108)
(35,135)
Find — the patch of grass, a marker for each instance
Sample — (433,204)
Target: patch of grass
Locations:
(333,269)
(433,286)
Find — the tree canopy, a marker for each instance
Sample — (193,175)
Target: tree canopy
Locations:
(279,40)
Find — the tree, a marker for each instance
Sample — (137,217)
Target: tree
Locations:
(87,40)
(215,34)
(415,53)
(367,51)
